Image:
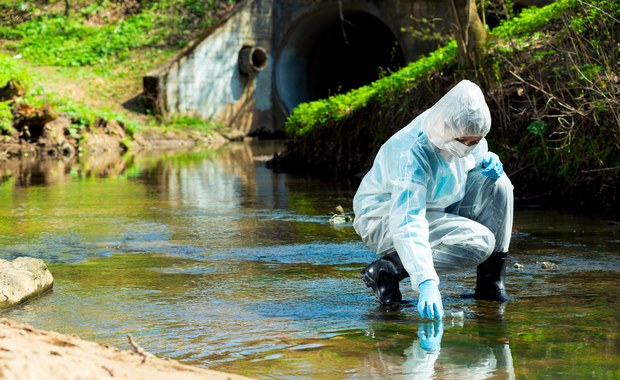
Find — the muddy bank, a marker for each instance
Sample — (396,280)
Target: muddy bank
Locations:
(54,139)
(29,353)
(99,155)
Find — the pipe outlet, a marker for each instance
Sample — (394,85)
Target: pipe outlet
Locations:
(252,59)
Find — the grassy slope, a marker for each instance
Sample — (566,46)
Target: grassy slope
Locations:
(96,56)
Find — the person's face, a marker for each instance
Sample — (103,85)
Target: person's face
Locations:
(469,140)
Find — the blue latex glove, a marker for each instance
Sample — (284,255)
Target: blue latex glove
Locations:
(492,166)
(430,335)
(429,303)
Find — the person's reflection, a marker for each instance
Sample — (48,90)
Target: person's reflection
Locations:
(481,356)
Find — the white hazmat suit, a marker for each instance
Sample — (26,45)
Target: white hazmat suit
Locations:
(425,196)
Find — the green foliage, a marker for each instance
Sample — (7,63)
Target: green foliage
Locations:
(6,119)
(192,123)
(426,29)
(11,69)
(62,41)
(537,127)
(97,37)
(531,20)
(93,31)
(81,115)
(337,107)
(564,142)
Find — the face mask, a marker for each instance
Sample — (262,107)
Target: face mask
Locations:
(458,149)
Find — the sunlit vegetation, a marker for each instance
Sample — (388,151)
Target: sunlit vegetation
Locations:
(107,46)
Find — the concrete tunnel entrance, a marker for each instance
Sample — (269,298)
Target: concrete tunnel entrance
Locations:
(325,55)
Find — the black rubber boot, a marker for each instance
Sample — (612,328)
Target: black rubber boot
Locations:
(383,276)
(490,281)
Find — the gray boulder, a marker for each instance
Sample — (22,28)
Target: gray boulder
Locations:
(22,279)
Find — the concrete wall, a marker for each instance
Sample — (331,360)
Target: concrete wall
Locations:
(205,81)
(302,56)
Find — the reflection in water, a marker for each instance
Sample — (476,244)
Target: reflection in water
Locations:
(32,171)
(212,259)
(430,335)
(484,353)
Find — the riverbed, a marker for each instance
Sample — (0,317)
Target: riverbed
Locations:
(212,259)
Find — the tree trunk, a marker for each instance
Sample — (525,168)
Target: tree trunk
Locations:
(469,31)
(67,8)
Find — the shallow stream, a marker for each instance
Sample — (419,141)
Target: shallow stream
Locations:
(214,260)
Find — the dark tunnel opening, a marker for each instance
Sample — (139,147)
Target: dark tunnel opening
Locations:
(324,55)
(350,54)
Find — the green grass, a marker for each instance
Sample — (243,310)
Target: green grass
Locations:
(192,123)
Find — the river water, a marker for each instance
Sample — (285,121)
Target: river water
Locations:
(214,260)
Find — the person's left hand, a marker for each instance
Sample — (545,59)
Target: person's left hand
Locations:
(430,334)
(492,166)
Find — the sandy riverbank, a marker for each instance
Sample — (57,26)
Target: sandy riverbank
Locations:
(29,353)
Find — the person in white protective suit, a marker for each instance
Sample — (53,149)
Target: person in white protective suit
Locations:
(437,200)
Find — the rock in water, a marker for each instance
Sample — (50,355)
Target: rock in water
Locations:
(22,279)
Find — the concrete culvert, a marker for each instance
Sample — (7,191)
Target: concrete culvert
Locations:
(325,55)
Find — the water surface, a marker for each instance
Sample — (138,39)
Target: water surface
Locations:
(214,260)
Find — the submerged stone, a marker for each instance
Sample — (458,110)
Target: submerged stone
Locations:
(22,279)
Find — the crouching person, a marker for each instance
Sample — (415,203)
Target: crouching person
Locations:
(437,200)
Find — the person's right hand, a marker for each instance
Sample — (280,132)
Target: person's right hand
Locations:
(429,303)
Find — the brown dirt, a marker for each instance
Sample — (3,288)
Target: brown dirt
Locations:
(29,353)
